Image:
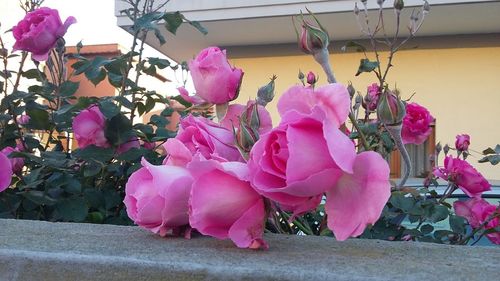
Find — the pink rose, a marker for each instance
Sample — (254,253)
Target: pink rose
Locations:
(194,99)
(224,205)
(88,127)
(214,79)
(200,135)
(416,124)
(371,99)
(157,197)
(17,163)
(462,142)
(39,31)
(23,119)
(461,173)
(235,111)
(307,155)
(5,172)
(296,162)
(477,211)
(358,199)
(126,146)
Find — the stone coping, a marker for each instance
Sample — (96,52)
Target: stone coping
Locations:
(33,250)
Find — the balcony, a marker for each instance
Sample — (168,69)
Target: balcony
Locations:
(247,25)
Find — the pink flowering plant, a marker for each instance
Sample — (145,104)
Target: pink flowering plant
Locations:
(228,171)
(67,158)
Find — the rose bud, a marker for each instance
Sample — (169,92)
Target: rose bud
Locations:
(311,78)
(462,142)
(390,109)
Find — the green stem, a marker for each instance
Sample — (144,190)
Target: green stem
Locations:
(362,136)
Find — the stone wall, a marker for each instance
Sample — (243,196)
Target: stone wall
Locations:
(32,250)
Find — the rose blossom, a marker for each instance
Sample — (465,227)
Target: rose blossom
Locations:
(17,163)
(461,173)
(214,79)
(371,99)
(200,135)
(462,142)
(307,155)
(223,204)
(5,172)
(156,198)
(23,119)
(39,31)
(477,211)
(88,127)
(416,124)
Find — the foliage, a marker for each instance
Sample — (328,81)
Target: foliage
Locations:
(60,182)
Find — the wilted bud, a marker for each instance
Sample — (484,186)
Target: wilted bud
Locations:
(380,2)
(301,76)
(4,52)
(363,1)
(356,9)
(351,90)
(390,109)
(399,5)
(446,148)
(311,78)
(438,148)
(358,101)
(266,93)
(426,8)
(313,38)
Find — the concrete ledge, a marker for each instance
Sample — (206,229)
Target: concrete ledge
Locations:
(31,250)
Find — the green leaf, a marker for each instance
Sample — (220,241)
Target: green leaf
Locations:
(365,65)
(118,130)
(438,213)
(109,109)
(73,209)
(173,21)
(353,44)
(39,119)
(458,224)
(69,88)
(402,202)
(34,74)
(94,153)
(426,229)
(39,197)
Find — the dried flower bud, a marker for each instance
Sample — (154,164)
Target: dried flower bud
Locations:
(438,148)
(390,109)
(356,9)
(266,93)
(426,8)
(446,148)
(380,2)
(311,78)
(351,90)
(399,5)
(301,75)
(358,101)
(363,1)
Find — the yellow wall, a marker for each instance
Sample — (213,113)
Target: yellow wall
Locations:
(460,86)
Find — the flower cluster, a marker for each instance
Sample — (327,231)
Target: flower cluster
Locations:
(460,174)
(225,179)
